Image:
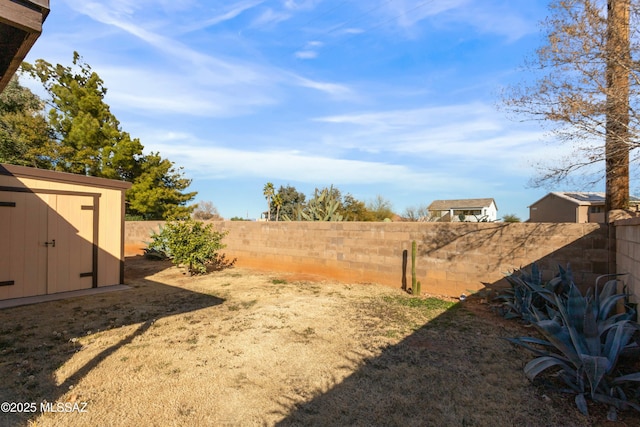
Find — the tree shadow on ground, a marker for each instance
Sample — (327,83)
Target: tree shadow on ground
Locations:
(457,369)
(46,335)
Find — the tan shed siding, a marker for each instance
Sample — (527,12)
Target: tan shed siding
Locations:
(73,229)
(85,216)
(22,259)
(110,237)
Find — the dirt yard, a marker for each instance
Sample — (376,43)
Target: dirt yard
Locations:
(240,347)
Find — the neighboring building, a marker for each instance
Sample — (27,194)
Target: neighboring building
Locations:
(20,26)
(575,206)
(60,232)
(470,210)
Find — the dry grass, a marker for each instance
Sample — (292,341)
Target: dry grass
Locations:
(238,347)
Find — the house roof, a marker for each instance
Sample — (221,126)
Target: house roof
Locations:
(587,198)
(444,205)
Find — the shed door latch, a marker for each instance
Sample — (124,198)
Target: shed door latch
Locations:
(52,243)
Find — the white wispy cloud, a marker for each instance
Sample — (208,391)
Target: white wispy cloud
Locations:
(300,4)
(210,162)
(498,20)
(486,18)
(310,50)
(352,31)
(409,12)
(270,17)
(306,54)
(231,11)
(165,93)
(194,82)
(333,89)
(473,132)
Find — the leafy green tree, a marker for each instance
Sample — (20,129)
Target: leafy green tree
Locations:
(347,207)
(87,139)
(353,209)
(268,192)
(157,192)
(24,132)
(277,203)
(291,200)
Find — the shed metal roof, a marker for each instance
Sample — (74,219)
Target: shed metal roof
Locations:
(71,178)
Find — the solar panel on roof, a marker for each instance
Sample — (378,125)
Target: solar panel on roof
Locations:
(587,197)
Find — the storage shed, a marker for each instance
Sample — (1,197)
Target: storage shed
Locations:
(59,232)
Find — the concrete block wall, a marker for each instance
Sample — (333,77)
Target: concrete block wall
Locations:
(628,253)
(137,234)
(453,258)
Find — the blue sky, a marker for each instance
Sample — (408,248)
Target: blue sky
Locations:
(396,98)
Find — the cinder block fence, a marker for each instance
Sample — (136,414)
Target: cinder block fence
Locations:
(452,258)
(627,253)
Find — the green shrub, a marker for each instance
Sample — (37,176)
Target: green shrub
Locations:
(158,248)
(191,244)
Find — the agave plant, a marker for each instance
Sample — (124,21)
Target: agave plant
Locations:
(324,206)
(528,294)
(584,340)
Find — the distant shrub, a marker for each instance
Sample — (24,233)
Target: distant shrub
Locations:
(511,218)
(206,211)
(132,217)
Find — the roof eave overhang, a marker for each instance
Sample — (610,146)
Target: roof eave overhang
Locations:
(20,26)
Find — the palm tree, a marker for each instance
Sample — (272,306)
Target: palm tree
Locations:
(277,202)
(268,192)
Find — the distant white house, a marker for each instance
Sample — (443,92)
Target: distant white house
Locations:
(469,210)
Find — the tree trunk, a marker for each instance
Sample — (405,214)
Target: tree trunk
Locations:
(617,107)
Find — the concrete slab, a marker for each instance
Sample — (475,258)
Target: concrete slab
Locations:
(15,302)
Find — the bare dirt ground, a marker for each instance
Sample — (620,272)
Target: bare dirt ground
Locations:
(240,347)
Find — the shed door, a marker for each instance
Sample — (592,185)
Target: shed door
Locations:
(70,243)
(46,243)
(23,256)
